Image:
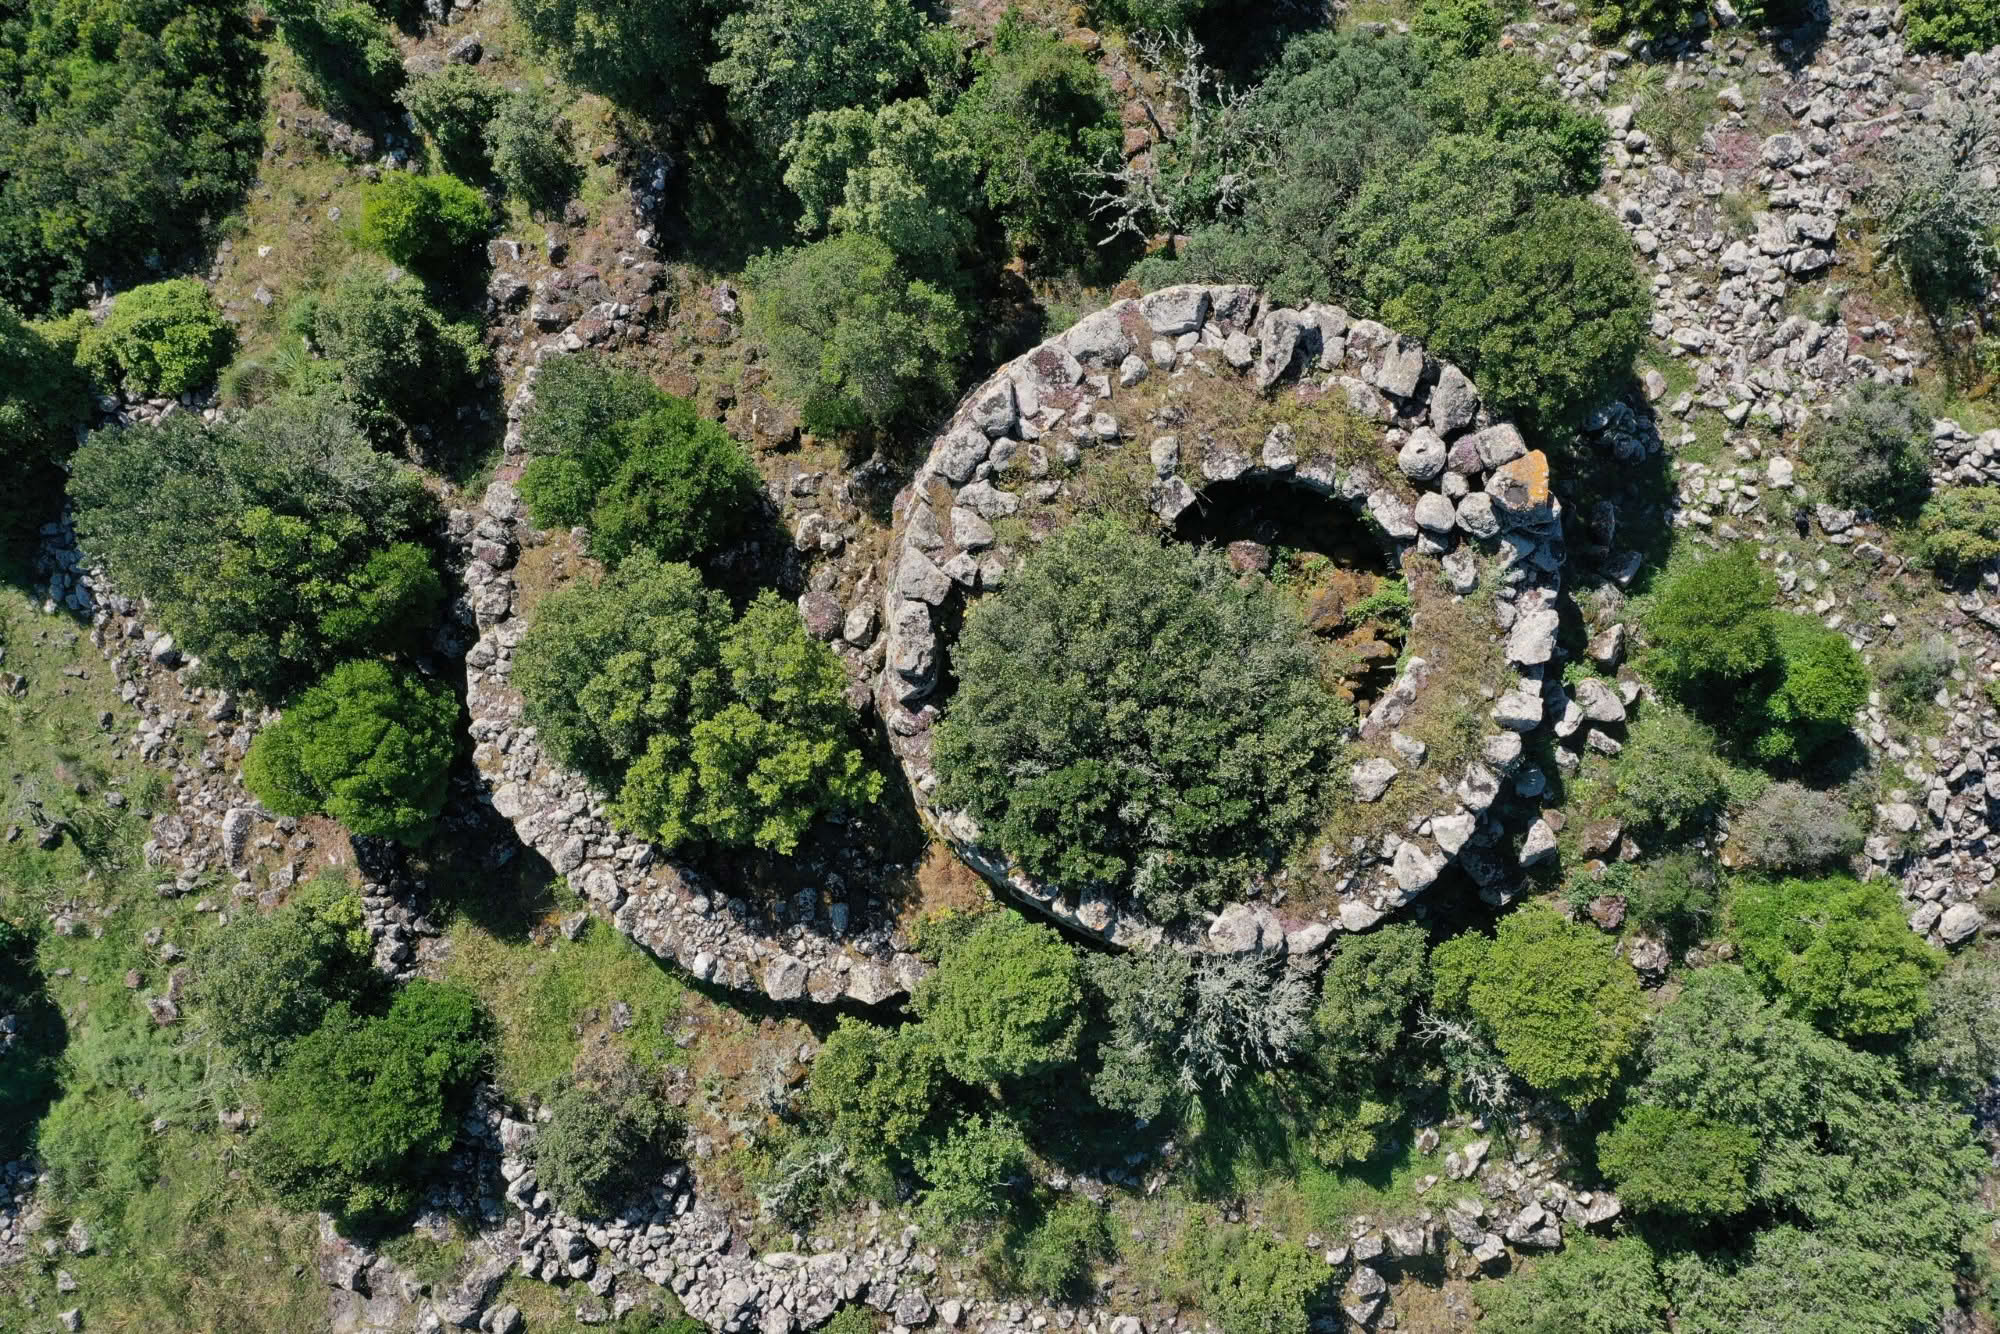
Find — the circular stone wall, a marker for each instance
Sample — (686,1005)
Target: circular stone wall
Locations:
(1138,408)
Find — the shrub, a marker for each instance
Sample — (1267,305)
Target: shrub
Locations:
(1040,118)
(1677,893)
(1709,629)
(782,60)
(579,399)
(599,1143)
(452,108)
(395,353)
(1955,1046)
(534,158)
(1005,1003)
(1248,1281)
(843,321)
(1502,96)
(1912,678)
(1790,1278)
(1834,951)
(874,1088)
(703,728)
(369,746)
(1174,739)
(1668,775)
(1959,530)
(44,396)
(902,174)
(1821,685)
(1873,450)
(1462,28)
(1958,26)
(971,1170)
(164,338)
(669,482)
(1562,1010)
(432,224)
(1369,995)
(632,53)
(125,127)
(1053,1261)
(1940,202)
(270,979)
(1792,828)
(1591,1287)
(1676,1162)
(269,546)
(362,1108)
(347,56)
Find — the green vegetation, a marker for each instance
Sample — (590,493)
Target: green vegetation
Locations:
(1958,26)
(633,54)
(1913,676)
(431,224)
(1959,530)
(164,338)
(370,746)
(452,107)
(875,1089)
(1793,828)
(1668,775)
(1004,1003)
(44,395)
(1592,1287)
(902,174)
(346,54)
(400,361)
(600,1143)
(783,60)
(28,1075)
(1834,951)
(1172,739)
(532,150)
(1675,1161)
(1939,205)
(1873,450)
(1249,1282)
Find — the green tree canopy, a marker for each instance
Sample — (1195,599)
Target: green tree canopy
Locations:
(902,174)
(370,746)
(432,224)
(452,107)
(1590,1287)
(1369,996)
(163,338)
(602,1144)
(632,53)
(1171,738)
(397,356)
(44,395)
(876,1089)
(1670,1160)
(1873,449)
(1563,1011)
(782,60)
(1710,628)
(1005,1003)
(347,54)
(1250,1282)
(1835,951)
(1668,774)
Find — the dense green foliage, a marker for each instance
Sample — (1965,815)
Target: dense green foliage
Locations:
(269,546)
(632,52)
(602,1144)
(347,55)
(1938,199)
(432,224)
(782,60)
(452,107)
(1172,737)
(126,126)
(44,395)
(1369,997)
(1873,449)
(1669,776)
(1959,530)
(1791,828)
(1250,1282)
(1821,684)
(1955,1046)
(532,150)
(702,727)
(395,354)
(1913,675)
(1709,627)
(1591,1287)
(1563,1012)
(875,1088)
(164,338)
(902,174)
(361,1107)
(270,979)
(644,470)
(971,1170)
(1053,1260)
(1039,117)
(1959,26)
(1834,951)
(845,321)
(1004,1003)
(370,746)
(1674,1161)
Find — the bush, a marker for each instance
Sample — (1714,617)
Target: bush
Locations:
(1005,1003)
(579,399)
(1821,685)
(1912,678)
(703,728)
(44,396)
(1958,26)
(270,979)
(452,108)
(400,359)
(347,56)
(844,321)
(1677,894)
(1834,951)
(1793,828)
(269,546)
(1959,530)
(1669,776)
(1795,1279)
(126,126)
(876,1089)
(1174,739)
(1502,96)
(431,224)
(1462,28)
(632,53)
(362,1108)
(1368,1001)
(369,746)
(972,1169)
(1248,1281)
(1873,450)
(902,174)
(534,158)
(1709,629)
(1054,1260)
(1591,1287)
(669,482)
(1955,1046)
(1562,1010)
(1940,204)
(165,338)
(600,1143)
(782,60)
(1677,1162)
(1041,118)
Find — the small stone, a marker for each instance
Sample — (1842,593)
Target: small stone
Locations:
(1371,778)
(1960,923)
